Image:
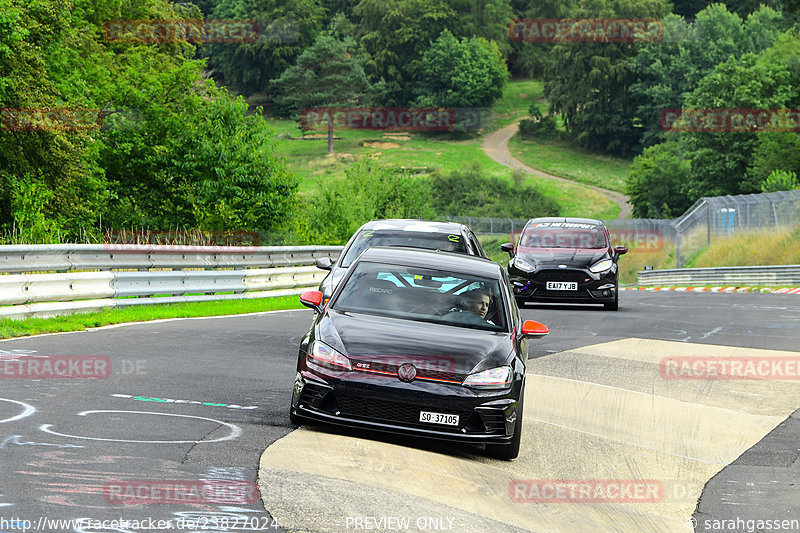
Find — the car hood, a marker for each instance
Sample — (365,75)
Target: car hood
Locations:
(572,257)
(391,341)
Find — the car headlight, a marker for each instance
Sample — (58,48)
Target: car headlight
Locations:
(494,378)
(523,265)
(323,355)
(601,266)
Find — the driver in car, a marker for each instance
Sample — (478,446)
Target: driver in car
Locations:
(476,301)
(473,307)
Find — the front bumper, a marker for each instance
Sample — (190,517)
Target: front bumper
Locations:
(387,404)
(592,288)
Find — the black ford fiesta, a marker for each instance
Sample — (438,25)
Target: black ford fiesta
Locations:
(426,343)
(565,260)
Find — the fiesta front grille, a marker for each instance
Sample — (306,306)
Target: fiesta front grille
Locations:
(561,275)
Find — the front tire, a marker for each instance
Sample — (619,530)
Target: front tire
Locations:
(511,450)
(613,306)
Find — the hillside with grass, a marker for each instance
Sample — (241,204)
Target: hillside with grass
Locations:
(426,154)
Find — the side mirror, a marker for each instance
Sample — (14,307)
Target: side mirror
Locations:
(536,330)
(508,247)
(312,299)
(620,250)
(324,263)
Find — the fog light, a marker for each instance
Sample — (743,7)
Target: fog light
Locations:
(606,292)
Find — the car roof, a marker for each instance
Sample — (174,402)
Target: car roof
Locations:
(575,220)
(448,261)
(410,224)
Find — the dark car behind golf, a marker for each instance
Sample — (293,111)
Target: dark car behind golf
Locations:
(447,236)
(565,260)
(396,350)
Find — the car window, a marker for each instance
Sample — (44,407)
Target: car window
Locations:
(564,235)
(427,240)
(424,294)
(477,245)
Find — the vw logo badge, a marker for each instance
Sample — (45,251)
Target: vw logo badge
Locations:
(406,372)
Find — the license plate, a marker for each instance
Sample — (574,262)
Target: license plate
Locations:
(562,285)
(438,418)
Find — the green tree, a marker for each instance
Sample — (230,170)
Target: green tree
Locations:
(367,191)
(775,151)
(531,59)
(669,69)
(395,34)
(469,192)
(780,180)
(174,150)
(769,80)
(588,82)
(484,18)
(466,73)
(57,165)
(328,74)
(286,28)
(657,180)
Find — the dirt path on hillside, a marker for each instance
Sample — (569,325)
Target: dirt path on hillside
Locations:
(495,145)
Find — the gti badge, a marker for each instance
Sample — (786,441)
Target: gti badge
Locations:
(406,372)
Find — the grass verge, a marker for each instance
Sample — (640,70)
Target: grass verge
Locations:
(79,322)
(779,246)
(517,98)
(567,161)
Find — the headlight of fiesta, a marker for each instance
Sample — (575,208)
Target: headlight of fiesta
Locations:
(523,265)
(601,266)
(323,355)
(494,378)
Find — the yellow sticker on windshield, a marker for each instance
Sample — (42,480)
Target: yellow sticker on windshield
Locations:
(454,238)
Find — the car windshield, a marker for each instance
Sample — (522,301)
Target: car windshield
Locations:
(424,294)
(563,235)
(450,242)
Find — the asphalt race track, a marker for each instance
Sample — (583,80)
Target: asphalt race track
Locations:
(202,404)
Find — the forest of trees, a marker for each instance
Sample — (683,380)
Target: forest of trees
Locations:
(179,147)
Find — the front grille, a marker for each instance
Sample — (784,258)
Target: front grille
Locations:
(563,295)
(422,372)
(312,395)
(561,275)
(387,411)
(494,421)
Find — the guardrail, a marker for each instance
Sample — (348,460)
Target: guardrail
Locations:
(49,280)
(787,275)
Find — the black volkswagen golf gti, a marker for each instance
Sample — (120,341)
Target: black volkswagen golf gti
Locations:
(427,343)
(566,260)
